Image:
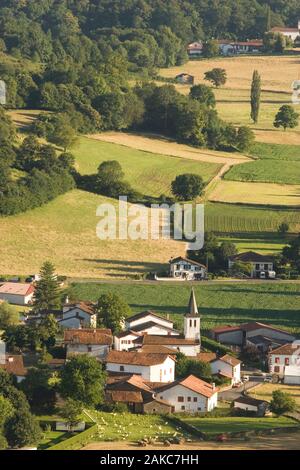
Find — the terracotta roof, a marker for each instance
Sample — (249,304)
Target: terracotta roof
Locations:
(16,288)
(280,29)
(221,373)
(88,336)
(287,350)
(246,400)
(137,316)
(14,365)
(166,340)
(256,43)
(206,356)
(125,396)
(251,326)
(193,383)
(231,360)
(251,256)
(135,358)
(156,349)
(85,306)
(187,260)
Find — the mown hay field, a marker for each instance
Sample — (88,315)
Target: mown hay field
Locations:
(256,193)
(233,100)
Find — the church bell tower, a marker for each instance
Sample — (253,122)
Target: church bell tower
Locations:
(192,320)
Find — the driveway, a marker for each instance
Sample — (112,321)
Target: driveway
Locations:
(234,393)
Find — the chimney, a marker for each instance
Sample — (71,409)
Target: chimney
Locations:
(213,386)
(299,26)
(67,300)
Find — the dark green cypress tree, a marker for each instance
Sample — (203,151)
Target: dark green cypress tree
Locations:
(47,292)
(255,96)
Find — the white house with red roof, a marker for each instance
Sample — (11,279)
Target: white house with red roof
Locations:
(189,395)
(285,361)
(227,366)
(17,293)
(94,342)
(187,269)
(152,367)
(79,315)
(291,33)
(13,364)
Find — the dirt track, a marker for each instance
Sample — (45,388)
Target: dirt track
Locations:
(278,442)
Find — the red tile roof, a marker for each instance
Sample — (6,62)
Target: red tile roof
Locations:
(231,360)
(124,396)
(16,288)
(205,356)
(187,260)
(140,315)
(251,326)
(166,340)
(135,358)
(14,365)
(287,350)
(193,383)
(85,306)
(89,336)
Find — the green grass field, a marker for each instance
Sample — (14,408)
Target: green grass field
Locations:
(262,222)
(149,173)
(222,303)
(132,427)
(213,426)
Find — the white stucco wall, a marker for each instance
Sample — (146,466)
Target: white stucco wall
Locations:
(221,366)
(125,343)
(243,406)
(17,299)
(203,404)
(89,320)
(160,321)
(164,372)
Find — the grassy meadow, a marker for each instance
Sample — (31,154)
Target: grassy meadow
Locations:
(149,173)
(264,392)
(219,303)
(214,426)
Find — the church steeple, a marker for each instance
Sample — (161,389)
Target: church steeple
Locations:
(192,308)
(192,320)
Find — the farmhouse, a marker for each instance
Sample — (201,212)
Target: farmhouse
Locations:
(261,266)
(282,358)
(195,49)
(79,315)
(13,364)
(152,367)
(228,47)
(189,395)
(246,403)
(94,342)
(189,343)
(124,341)
(239,335)
(227,366)
(17,293)
(291,33)
(135,321)
(137,394)
(184,268)
(185,79)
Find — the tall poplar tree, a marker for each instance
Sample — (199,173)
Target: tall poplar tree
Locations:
(255,96)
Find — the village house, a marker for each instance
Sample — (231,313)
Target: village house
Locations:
(262,266)
(17,293)
(228,47)
(246,403)
(291,33)
(195,49)
(135,321)
(78,315)
(285,362)
(13,364)
(94,342)
(152,367)
(185,79)
(227,366)
(189,343)
(136,393)
(241,334)
(186,269)
(189,395)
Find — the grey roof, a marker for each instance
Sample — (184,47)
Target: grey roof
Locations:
(193,308)
(246,400)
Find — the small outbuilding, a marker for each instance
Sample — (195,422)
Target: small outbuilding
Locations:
(246,403)
(17,293)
